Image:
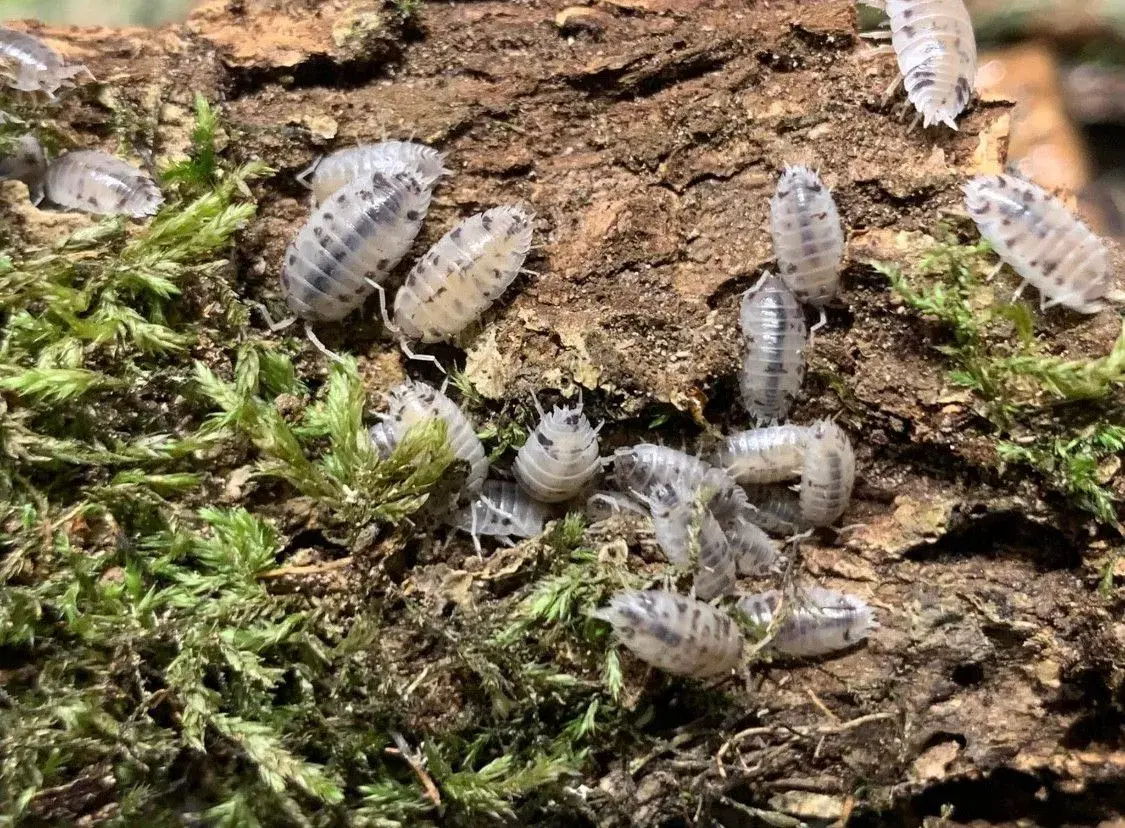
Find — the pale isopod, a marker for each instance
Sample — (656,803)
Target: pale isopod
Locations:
(27,163)
(328,174)
(414,402)
(816,622)
(753,551)
(777,509)
(353,239)
(461,275)
(1042,241)
(808,239)
(560,457)
(674,633)
(32,66)
(503,510)
(773,367)
(828,474)
(937,56)
(384,439)
(764,455)
(96,182)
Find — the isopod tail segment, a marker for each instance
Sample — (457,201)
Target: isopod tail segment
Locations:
(396,331)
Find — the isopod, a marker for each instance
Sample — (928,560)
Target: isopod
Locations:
(97,182)
(32,66)
(384,439)
(674,633)
(773,366)
(28,164)
(808,238)
(560,457)
(413,402)
(777,509)
(1046,244)
(764,455)
(828,474)
(753,551)
(328,174)
(460,276)
(503,510)
(816,622)
(936,51)
(351,242)
(602,505)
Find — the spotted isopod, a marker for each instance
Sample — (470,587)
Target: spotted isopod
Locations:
(351,241)
(28,164)
(753,551)
(1046,244)
(936,51)
(815,622)
(328,174)
(560,457)
(503,510)
(638,468)
(413,402)
(32,66)
(773,367)
(97,182)
(384,439)
(808,238)
(461,275)
(828,474)
(764,455)
(673,633)
(777,509)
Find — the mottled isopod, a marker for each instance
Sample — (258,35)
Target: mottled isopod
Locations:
(32,66)
(773,367)
(676,634)
(753,551)
(828,474)
(503,510)
(461,275)
(1042,241)
(328,174)
(28,164)
(937,56)
(764,455)
(808,239)
(560,457)
(777,509)
(353,239)
(384,439)
(817,622)
(96,182)
(414,402)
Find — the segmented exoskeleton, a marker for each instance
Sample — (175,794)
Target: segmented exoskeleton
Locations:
(773,367)
(560,457)
(777,509)
(753,551)
(504,510)
(1046,244)
(764,455)
(828,474)
(808,238)
(676,634)
(328,174)
(27,163)
(31,66)
(814,622)
(97,182)
(384,439)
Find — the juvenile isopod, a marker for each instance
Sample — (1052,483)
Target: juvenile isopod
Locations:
(97,182)
(764,455)
(674,633)
(828,474)
(414,402)
(32,66)
(815,622)
(461,275)
(502,510)
(560,457)
(936,51)
(1046,244)
(351,242)
(328,174)
(26,163)
(808,238)
(773,366)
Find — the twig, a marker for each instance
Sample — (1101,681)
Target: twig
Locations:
(800,732)
(406,753)
(816,700)
(309,569)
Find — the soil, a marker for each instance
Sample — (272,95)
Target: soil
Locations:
(647,136)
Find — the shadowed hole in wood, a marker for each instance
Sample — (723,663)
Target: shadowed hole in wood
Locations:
(1001,534)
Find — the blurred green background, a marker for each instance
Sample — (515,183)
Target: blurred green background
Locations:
(97,12)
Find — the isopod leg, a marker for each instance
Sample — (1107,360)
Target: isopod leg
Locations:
(538,408)
(378,288)
(320,346)
(1019,290)
(893,88)
(273,326)
(758,284)
(421,357)
(303,175)
(992,274)
(820,324)
(473,531)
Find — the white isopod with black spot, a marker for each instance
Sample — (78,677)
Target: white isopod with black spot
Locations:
(328,174)
(414,402)
(773,366)
(97,182)
(673,633)
(463,274)
(27,163)
(764,455)
(814,622)
(828,474)
(29,65)
(501,510)
(560,457)
(639,468)
(808,238)
(753,551)
(351,243)
(1046,244)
